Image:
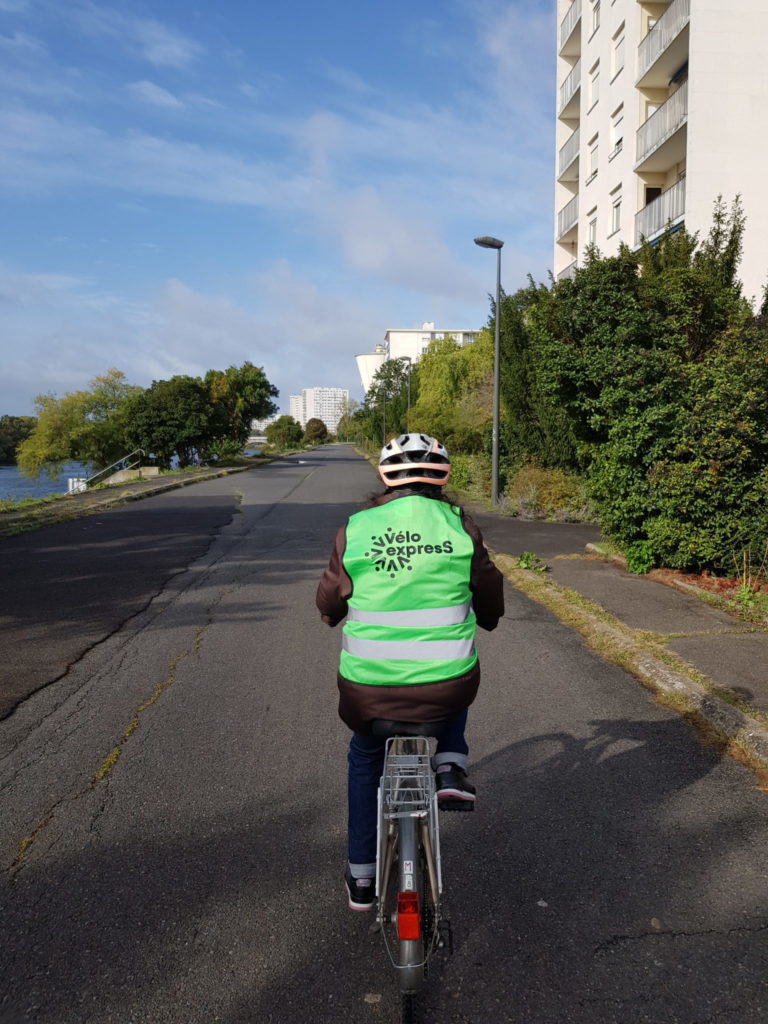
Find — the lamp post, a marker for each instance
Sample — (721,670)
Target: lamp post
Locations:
(486,242)
(407,359)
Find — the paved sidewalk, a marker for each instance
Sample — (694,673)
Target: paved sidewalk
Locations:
(731,653)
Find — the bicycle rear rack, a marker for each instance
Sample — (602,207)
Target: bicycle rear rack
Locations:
(407,785)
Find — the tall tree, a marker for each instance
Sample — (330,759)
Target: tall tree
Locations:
(88,426)
(285,432)
(13,430)
(239,394)
(174,418)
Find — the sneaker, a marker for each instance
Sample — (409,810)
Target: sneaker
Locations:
(454,790)
(361,892)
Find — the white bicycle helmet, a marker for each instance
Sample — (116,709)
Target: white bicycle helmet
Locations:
(414,459)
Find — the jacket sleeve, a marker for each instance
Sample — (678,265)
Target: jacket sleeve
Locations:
(486,582)
(335,585)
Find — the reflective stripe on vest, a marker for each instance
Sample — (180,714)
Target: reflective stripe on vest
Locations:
(416,617)
(409,650)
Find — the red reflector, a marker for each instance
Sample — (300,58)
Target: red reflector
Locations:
(408,917)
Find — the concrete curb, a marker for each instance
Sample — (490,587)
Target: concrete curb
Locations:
(665,673)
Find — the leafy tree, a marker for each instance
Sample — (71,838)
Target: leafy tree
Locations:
(285,432)
(174,418)
(386,402)
(239,394)
(13,430)
(315,431)
(89,426)
(349,427)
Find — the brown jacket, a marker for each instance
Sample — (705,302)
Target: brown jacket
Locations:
(427,702)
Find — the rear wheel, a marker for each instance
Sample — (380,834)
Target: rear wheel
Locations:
(410,883)
(410,1009)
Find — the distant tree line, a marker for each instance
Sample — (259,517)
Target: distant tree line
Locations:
(13,430)
(186,419)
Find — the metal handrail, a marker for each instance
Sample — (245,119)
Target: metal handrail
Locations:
(138,451)
(665,209)
(669,25)
(570,85)
(570,21)
(568,216)
(569,152)
(663,123)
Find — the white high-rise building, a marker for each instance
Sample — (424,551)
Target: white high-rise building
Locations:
(661,107)
(326,404)
(405,343)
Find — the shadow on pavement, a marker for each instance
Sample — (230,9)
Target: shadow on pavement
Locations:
(570,893)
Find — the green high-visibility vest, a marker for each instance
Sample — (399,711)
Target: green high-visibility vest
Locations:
(410,617)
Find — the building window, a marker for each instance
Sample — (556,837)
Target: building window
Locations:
(594,85)
(617,59)
(592,164)
(616,213)
(592,226)
(617,132)
(595,15)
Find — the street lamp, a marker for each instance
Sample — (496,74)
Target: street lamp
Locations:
(407,359)
(486,242)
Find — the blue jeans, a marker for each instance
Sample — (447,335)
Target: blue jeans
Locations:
(366,763)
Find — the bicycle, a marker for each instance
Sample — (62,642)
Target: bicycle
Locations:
(409,881)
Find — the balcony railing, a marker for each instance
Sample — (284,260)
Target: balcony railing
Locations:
(568,152)
(570,85)
(669,25)
(568,217)
(568,272)
(569,22)
(668,207)
(663,123)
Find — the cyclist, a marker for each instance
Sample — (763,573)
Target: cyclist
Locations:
(411,575)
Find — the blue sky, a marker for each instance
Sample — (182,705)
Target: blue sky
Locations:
(189,185)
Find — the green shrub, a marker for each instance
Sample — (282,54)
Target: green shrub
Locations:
(537,493)
(640,557)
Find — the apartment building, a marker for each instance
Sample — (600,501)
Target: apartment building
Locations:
(661,107)
(326,404)
(405,343)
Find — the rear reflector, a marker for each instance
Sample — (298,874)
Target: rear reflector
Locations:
(408,917)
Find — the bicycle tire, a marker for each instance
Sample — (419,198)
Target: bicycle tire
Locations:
(410,877)
(411,1009)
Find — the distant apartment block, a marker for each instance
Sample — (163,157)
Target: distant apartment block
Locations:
(326,404)
(405,343)
(661,107)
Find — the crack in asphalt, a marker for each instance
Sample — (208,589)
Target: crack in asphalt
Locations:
(620,940)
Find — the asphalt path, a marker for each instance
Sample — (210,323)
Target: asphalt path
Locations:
(614,870)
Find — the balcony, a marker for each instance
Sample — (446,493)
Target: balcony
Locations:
(568,272)
(653,219)
(570,92)
(568,217)
(567,161)
(665,49)
(570,41)
(660,143)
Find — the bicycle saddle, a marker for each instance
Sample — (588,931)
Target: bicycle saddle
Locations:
(388,727)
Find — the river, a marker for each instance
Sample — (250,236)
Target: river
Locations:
(14,485)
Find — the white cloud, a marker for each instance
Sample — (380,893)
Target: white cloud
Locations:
(153,94)
(146,38)
(22,45)
(65,331)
